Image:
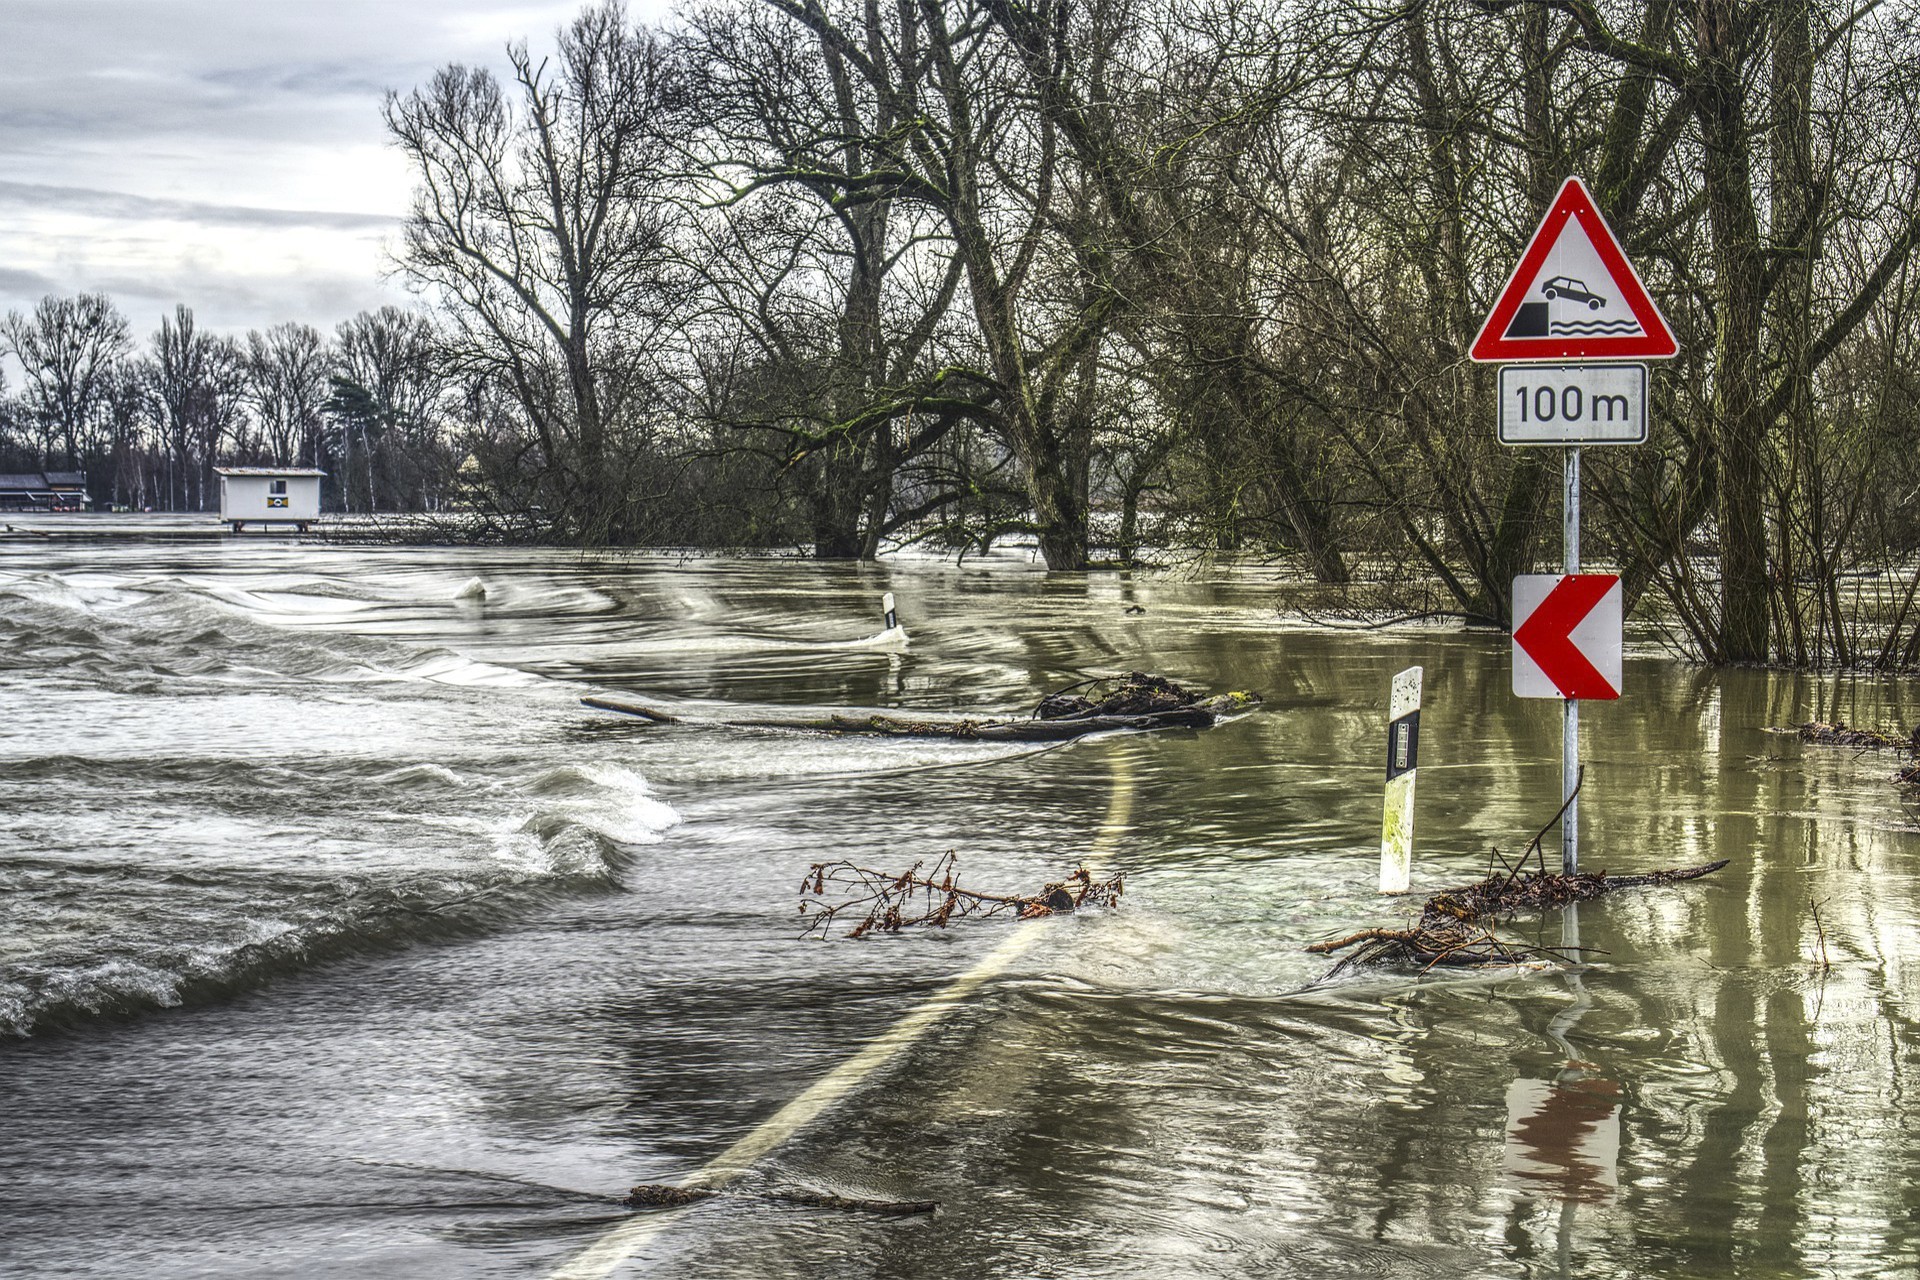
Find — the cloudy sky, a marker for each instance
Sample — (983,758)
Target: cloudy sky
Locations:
(228,154)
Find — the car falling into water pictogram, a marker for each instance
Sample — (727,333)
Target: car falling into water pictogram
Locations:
(1568,287)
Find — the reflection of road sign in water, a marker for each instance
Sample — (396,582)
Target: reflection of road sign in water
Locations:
(1574,295)
(1563,1139)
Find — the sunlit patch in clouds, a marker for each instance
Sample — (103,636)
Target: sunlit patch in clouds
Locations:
(228,154)
(85,202)
(236,266)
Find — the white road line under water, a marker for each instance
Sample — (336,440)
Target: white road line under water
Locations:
(603,1256)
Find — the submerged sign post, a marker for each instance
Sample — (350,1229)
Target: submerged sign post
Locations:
(1572,311)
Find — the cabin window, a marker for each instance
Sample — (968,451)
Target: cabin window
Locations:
(278,488)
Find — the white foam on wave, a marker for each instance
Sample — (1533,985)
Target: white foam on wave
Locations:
(344,658)
(608,798)
(54,591)
(446,667)
(569,850)
(99,987)
(423,776)
(305,604)
(893,638)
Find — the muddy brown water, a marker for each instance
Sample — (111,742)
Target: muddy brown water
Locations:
(339,939)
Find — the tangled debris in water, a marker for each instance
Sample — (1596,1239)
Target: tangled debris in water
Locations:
(930,897)
(1134,694)
(1452,928)
(1138,694)
(1840,734)
(1455,929)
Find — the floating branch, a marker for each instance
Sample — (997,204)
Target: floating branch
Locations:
(1501,896)
(888,902)
(1826,965)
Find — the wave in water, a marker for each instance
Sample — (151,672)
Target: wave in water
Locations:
(204,797)
(120,932)
(126,637)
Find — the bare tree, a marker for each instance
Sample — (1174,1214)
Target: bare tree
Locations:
(287,368)
(996,134)
(68,349)
(538,225)
(389,386)
(842,289)
(195,380)
(1809,218)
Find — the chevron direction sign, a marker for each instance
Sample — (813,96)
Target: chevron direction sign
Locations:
(1566,635)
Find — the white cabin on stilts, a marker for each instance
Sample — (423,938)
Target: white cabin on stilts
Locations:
(269,495)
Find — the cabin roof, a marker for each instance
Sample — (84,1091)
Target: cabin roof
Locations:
(41,481)
(282,472)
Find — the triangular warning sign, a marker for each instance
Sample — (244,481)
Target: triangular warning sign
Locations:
(1574,295)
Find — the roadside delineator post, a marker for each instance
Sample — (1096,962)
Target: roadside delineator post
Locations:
(1403,758)
(886,607)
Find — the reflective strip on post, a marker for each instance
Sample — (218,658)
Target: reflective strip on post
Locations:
(1403,760)
(886,607)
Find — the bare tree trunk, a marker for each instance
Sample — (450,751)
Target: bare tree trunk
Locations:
(1739,267)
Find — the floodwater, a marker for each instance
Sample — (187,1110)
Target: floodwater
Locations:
(339,939)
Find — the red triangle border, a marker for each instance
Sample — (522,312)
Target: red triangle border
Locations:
(1575,201)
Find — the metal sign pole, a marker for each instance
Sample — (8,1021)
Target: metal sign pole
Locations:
(1570,725)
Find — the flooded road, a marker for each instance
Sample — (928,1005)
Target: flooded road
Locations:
(339,939)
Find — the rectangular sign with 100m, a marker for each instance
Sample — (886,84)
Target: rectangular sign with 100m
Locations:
(1561,404)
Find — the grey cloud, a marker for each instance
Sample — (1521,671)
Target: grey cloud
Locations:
(90,202)
(216,111)
(225,302)
(307,81)
(32,284)
(119,73)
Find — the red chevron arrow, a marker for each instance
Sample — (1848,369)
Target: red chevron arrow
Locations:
(1546,635)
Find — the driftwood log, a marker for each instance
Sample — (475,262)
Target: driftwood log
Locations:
(1136,703)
